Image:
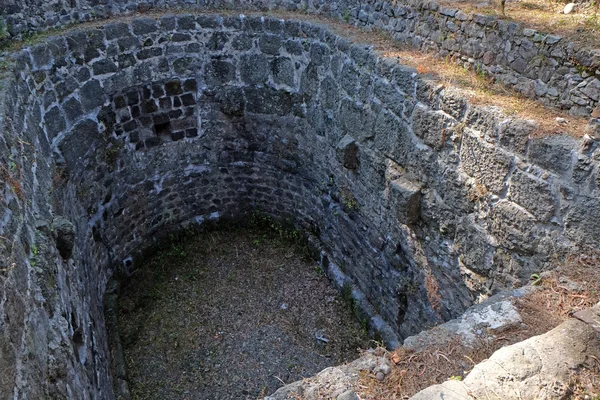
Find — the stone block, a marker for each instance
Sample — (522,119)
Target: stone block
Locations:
(554,153)
(392,137)
(217,41)
(533,194)
(144,26)
(453,104)
(254,69)
(91,95)
(514,134)
(513,227)
(431,126)
(266,100)
(232,100)
(219,71)
(582,221)
(79,142)
(484,162)
(405,199)
(330,93)
(283,71)
(474,246)
(348,153)
(270,44)
(356,120)
(116,30)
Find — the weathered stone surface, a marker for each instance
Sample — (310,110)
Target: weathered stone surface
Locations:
(209,125)
(513,227)
(406,199)
(334,382)
(486,163)
(581,221)
(553,152)
(514,135)
(431,126)
(533,194)
(520,368)
(348,153)
(492,316)
(475,247)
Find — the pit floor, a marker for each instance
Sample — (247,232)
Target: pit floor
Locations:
(231,315)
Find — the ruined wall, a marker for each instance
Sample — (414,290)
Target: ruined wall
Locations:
(117,135)
(547,67)
(543,66)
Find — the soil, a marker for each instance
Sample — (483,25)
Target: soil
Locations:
(231,315)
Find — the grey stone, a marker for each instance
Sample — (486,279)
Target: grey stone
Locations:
(91,95)
(406,200)
(581,221)
(270,44)
(283,71)
(475,247)
(220,71)
(268,101)
(487,164)
(348,153)
(533,194)
(232,100)
(514,135)
(254,69)
(514,228)
(134,150)
(553,152)
(348,395)
(143,26)
(116,30)
(431,126)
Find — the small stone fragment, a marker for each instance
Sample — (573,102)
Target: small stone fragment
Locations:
(380,376)
(569,8)
(348,395)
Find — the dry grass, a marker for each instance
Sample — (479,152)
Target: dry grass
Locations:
(12,181)
(433,295)
(476,86)
(416,371)
(581,27)
(481,89)
(574,285)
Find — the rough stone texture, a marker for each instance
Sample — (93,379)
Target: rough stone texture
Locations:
(535,64)
(538,367)
(334,382)
(490,317)
(132,130)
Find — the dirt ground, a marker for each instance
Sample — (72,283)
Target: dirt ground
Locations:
(231,315)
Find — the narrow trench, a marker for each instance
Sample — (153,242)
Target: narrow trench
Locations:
(232,315)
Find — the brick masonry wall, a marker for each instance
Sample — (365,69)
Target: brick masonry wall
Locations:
(539,65)
(117,135)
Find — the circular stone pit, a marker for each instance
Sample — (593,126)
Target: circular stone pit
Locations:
(419,203)
(231,315)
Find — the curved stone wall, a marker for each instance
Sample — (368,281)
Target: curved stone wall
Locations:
(543,66)
(116,136)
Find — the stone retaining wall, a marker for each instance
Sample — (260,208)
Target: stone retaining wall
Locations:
(539,65)
(116,136)
(543,66)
